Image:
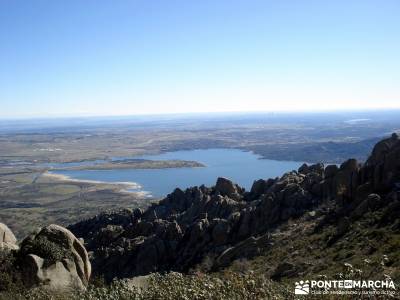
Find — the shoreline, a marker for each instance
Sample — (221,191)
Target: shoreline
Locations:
(124,186)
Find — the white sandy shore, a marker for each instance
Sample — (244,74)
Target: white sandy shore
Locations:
(125,186)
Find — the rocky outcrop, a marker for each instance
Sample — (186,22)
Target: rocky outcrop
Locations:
(7,238)
(225,187)
(54,259)
(382,167)
(225,221)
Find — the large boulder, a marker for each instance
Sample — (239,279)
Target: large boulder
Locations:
(225,187)
(260,187)
(382,149)
(55,259)
(7,238)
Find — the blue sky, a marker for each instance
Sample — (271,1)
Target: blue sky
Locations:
(142,57)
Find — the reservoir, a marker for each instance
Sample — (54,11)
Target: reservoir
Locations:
(239,166)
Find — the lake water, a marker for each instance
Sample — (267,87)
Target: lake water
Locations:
(240,166)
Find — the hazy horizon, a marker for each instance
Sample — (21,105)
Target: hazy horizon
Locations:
(367,111)
(97,58)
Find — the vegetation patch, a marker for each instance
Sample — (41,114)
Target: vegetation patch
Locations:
(48,250)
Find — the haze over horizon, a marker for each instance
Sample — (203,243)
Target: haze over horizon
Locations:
(102,58)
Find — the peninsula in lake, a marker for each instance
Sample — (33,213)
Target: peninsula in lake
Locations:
(134,164)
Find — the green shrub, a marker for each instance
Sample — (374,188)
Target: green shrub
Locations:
(46,249)
(10,279)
